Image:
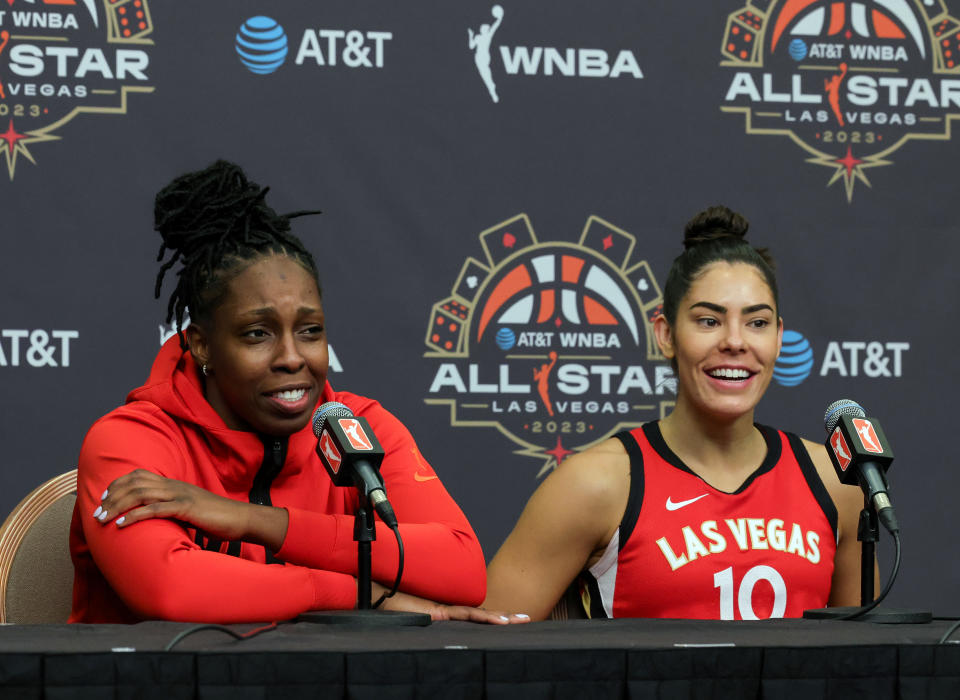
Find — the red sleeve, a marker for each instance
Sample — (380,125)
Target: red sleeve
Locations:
(154,566)
(443,560)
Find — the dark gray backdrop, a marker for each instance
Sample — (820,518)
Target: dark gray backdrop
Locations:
(410,162)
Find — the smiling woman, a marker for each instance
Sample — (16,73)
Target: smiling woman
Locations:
(201,498)
(703,514)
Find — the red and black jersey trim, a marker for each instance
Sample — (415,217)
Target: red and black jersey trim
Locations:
(814,481)
(635,498)
(770,436)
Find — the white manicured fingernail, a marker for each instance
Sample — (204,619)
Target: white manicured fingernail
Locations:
(505,619)
(121,519)
(97,512)
(105,492)
(523,615)
(102,516)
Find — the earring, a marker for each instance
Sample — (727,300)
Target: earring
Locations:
(204,369)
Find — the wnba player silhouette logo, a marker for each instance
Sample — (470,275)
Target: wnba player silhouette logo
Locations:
(831,86)
(541,375)
(4,38)
(480,43)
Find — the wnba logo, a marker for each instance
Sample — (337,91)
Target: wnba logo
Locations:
(542,340)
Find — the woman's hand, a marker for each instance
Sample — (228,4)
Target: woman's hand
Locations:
(141,495)
(438,611)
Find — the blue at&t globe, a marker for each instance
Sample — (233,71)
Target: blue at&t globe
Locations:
(506,338)
(795,361)
(798,49)
(261,45)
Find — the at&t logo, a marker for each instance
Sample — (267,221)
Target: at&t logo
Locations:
(845,358)
(551,343)
(262,46)
(795,361)
(36,348)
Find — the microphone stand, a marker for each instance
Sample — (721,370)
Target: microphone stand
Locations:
(868,533)
(365,532)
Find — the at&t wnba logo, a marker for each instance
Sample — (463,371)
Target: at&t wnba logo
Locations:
(850,82)
(550,343)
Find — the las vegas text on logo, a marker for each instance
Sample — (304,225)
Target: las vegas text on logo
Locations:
(61,58)
(550,343)
(849,82)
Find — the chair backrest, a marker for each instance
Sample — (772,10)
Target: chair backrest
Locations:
(571,605)
(36,573)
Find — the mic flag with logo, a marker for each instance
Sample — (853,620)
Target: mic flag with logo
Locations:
(854,441)
(346,439)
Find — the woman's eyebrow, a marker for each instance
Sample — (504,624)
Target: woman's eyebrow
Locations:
(756,307)
(711,306)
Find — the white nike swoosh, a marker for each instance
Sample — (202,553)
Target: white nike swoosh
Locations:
(677,505)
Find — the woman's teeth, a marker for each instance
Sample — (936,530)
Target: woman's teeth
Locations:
(729,373)
(292,395)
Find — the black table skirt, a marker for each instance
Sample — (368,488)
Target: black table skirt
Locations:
(576,659)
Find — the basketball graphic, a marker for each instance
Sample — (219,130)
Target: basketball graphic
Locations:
(553,344)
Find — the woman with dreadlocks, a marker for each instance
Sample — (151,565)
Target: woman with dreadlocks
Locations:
(202,498)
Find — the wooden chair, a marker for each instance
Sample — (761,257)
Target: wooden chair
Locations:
(36,573)
(571,604)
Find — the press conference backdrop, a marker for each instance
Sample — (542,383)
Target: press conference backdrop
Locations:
(504,187)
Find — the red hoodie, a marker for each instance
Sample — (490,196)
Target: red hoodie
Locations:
(162,569)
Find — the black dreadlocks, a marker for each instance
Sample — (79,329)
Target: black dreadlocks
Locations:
(217,223)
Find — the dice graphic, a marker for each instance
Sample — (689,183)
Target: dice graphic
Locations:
(128,20)
(740,40)
(445,329)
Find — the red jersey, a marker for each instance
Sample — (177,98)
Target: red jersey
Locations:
(163,569)
(687,550)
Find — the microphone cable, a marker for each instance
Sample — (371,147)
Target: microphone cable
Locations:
(949,632)
(220,628)
(396,582)
(862,610)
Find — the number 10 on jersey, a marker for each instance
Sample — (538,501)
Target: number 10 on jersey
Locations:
(744,592)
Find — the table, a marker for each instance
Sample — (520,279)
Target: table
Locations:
(576,659)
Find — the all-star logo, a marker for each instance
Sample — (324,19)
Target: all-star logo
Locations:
(551,343)
(61,58)
(849,82)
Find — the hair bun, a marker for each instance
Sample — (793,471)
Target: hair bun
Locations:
(198,204)
(714,224)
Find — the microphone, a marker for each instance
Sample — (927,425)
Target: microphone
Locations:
(351,455)
(861,455)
